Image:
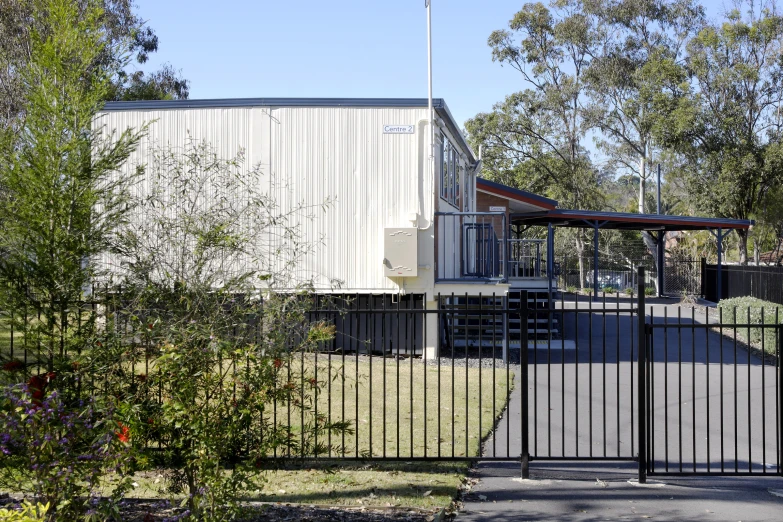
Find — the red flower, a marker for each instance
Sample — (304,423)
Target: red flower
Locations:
(142,377)
(312,381)
(75,365)
(150,420)
(13,365)
(98,343)
(37,385)
(150,326)
(277,363)
(124,433)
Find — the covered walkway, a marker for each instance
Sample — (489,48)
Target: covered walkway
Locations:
(655,224)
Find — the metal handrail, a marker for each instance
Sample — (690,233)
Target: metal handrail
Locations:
(471,246)
(519,259)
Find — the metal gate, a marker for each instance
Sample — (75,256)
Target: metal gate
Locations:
(713,395)
(703,397)
(581,386)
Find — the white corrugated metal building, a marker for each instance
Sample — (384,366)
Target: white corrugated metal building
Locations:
(372,158)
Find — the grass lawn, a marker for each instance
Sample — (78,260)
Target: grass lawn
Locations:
(5,339)
(399,484)
(402,408)
(389,402)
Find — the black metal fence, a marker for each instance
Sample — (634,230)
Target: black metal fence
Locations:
(762,282)
(527,377)
(613,274)
(713,398)
(682,276)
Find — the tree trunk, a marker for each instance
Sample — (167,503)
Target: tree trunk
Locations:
(756,252)
(649,242)
(743,246)
(642,182)
(652,247)
(580,252)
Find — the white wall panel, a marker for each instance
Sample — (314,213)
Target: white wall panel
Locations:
(309,155)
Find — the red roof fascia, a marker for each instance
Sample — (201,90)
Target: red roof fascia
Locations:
(517,197)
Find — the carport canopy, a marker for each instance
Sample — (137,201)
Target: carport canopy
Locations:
(654,223)
(626,221)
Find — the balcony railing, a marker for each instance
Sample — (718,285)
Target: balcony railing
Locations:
(472,246)
(525,258)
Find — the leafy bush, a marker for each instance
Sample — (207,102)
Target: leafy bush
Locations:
(608,290)
(571,289)
(27,513)
(749,310)
(648,290)
(220,338)
(629,291)
(65,449)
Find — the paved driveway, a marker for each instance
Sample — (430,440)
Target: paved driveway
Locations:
(585,406)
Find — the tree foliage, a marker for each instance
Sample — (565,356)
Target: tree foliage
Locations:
(650,81)
(122,28)
(210,300)
(729,127)
(60,202)
(60,206)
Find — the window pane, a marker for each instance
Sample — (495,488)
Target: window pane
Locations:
(458,178)
(452,175)
(444,171)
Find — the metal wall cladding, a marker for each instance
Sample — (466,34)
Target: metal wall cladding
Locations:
(332,171)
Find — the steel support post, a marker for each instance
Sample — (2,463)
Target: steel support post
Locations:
(661,240)
(720,263)
(642,381)
(523,414)
(595,262)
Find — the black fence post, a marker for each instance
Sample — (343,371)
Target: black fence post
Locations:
(641,382)
(523,414)
(780,399)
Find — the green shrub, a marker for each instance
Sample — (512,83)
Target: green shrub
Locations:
(67,448)
(571,289)
(27,513)
(608,290)
(648,290)
(748,310)
(628,291)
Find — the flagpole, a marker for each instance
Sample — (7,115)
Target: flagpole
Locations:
(428,5)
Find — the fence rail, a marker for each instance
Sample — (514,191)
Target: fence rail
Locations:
(523,377)
(762,282)
(713,399)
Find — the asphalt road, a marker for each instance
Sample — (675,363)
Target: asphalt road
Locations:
(583,404)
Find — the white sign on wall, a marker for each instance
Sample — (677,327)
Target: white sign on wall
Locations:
(398,129)
(497,209)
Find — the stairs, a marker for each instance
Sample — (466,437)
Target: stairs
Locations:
(542,326)
(474,324)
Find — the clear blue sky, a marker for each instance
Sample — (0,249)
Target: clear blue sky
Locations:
(338,48)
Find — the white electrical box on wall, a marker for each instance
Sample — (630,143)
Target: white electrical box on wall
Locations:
(400,252)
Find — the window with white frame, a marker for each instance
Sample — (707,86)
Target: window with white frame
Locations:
(450,173)
(444,168)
